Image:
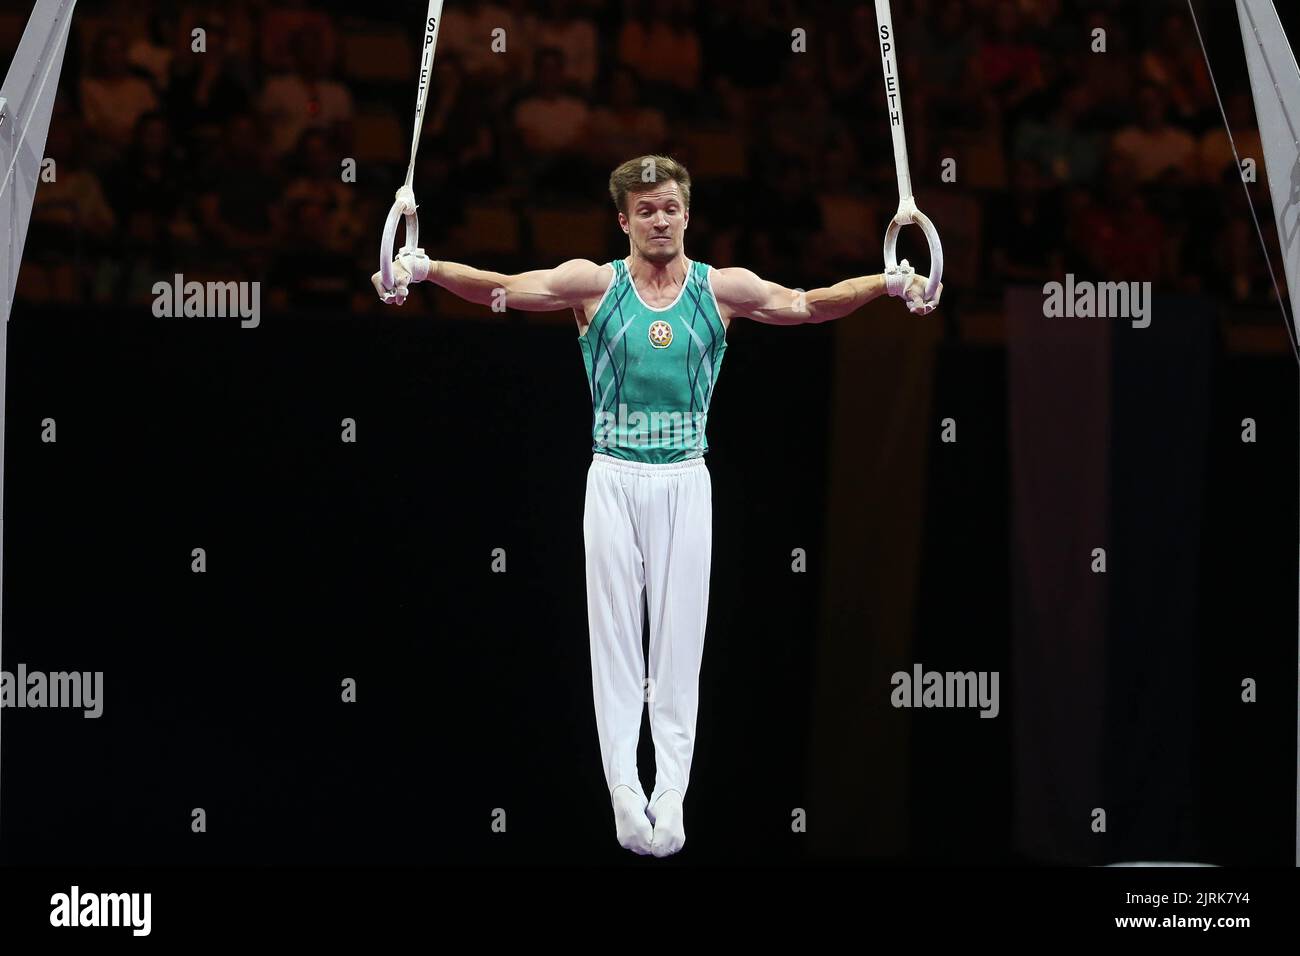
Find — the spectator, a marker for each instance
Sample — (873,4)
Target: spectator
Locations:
(209,88)
(307,274)
(799,120)
(112,98)
(318,180)
(574,36)
(1025,230)
(661,45)
(741,41)
(822,131)
(471,36)
(1053,34)
(1238,262)
(74,199)
(1060,148)
(726,105)
(70,251)
(1156,149)
(237,190)
(949,44)
(784,226)
(550,141)
(458,128)
(969,107)
(847,212)
(1175,65)
(1011,66)
(153,179)
(279,28)
(850,55)
(548,120)
(1116,232)
(305,99)
(985,83)
(152,55)
(1112,77)
(242,29)
(1214,151)
(625,128)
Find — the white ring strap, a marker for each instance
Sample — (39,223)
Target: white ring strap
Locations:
(907,211)
(404,201)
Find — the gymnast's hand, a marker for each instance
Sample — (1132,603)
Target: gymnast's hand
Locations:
(903,282)
(914,296)
(408,267)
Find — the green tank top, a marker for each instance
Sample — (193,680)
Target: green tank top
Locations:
(651,372)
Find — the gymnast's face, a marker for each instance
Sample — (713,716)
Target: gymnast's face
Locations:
(656,222)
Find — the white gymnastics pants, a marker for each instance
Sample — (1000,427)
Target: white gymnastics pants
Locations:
(648,531)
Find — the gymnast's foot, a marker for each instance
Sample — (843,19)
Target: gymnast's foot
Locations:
(634,830)
(670,830)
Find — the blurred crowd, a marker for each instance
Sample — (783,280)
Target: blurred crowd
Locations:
(273,154)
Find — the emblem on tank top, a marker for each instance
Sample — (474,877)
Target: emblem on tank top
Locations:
(661,334)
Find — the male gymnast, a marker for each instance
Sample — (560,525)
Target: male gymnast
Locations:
(652,329)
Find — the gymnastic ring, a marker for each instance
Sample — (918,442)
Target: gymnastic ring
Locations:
(400,207)
(936,251)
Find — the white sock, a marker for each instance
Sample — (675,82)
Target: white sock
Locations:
(634,830)
(670,828)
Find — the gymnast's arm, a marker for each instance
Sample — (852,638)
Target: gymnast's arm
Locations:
(748,295)
(542,290)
